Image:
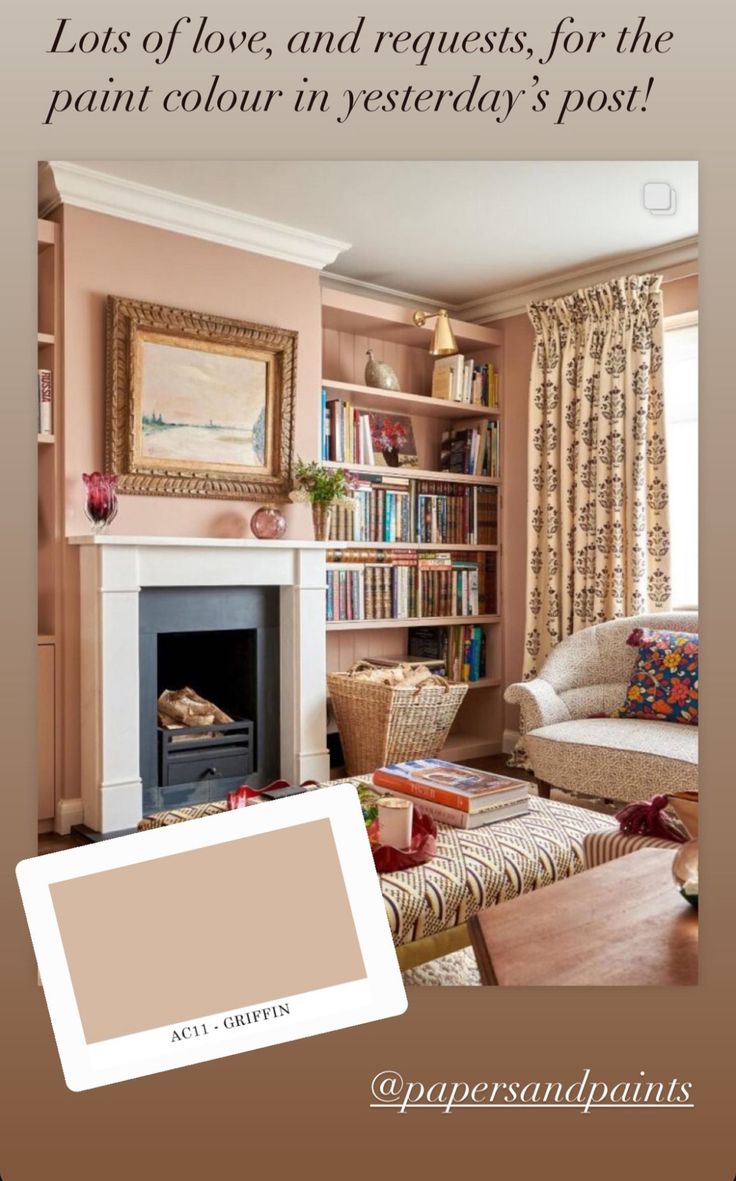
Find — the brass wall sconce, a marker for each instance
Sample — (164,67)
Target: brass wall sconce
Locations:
(443,338)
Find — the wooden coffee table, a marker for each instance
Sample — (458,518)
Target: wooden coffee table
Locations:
(621,923)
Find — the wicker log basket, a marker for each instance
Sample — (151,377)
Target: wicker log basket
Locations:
(382,724)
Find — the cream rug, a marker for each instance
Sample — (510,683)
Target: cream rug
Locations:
(457,968)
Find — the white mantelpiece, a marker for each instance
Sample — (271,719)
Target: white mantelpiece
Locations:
(113,570)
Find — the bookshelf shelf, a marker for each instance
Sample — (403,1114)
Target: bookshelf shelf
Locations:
(414,473)
(352,324)
(370,398)
(377,319)
(433,547)
(51,530)
(46,234)
(424,621)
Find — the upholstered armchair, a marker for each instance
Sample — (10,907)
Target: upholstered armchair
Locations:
(573,749)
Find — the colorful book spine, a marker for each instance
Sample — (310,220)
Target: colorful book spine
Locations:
(45,403)
(457,819)
(421,790)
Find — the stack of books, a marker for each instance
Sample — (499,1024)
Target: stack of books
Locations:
(460,649)
(472,451)
(452,794)
(458,379)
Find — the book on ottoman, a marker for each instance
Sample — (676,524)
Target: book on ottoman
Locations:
(453,794)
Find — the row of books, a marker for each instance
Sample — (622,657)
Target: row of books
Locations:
(459,650)
(447,514)
(472,451)
(382,509)
(396,509)
(452,794)
(409,587)
(45,393)
(458,379)
(424,642)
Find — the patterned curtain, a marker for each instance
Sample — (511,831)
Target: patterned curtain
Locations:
(598,537)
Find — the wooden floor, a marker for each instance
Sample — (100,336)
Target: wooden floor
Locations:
(51,842)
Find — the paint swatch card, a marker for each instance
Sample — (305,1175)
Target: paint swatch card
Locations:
(212,937)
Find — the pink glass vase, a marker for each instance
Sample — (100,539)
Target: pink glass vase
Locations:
(101,502)
(268,523)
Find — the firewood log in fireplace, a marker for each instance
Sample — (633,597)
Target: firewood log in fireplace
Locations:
(185,707)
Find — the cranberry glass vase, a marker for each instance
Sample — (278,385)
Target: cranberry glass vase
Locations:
(101,503)
(268,523)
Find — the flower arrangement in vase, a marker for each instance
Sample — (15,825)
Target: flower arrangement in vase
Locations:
(388,438)
(323,488)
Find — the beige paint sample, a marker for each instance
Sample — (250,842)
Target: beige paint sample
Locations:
(236,924)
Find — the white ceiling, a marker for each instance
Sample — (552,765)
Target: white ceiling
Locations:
(452,231)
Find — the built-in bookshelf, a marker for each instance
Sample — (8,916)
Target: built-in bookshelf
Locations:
(421,546)
(49,694)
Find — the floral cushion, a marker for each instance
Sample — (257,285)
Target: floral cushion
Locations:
(664,680)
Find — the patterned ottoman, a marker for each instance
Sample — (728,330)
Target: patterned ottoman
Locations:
(428,906)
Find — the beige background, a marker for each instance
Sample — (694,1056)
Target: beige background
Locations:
(231,925)
(305,1106)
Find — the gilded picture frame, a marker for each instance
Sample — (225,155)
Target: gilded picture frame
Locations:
(198,405)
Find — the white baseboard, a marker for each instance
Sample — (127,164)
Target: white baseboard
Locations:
(510,739)
(68,812)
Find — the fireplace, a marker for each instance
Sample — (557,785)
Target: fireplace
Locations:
(243,619)
(223,643)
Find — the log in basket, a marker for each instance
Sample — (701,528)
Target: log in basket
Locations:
(382,724)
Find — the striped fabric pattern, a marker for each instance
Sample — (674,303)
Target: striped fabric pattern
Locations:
(599,847)
(177,815)
(476,868)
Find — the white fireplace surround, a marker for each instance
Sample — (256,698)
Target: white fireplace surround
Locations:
(113,570)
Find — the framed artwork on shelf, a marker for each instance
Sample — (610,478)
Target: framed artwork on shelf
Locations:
(198,405)
(392,437)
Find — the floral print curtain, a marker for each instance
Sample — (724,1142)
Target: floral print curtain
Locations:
(598,536)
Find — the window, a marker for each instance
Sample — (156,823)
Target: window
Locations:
(681,418)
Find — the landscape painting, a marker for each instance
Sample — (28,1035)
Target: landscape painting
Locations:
(202,407)
(198,405)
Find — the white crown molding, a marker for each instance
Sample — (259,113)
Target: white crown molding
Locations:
(75,184)
(61,183)
(346,283)
(678,259)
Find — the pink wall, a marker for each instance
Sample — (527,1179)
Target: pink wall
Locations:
(108,256)
(680,295)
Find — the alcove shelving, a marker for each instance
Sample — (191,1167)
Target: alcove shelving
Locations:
(351,325)
(50,522)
